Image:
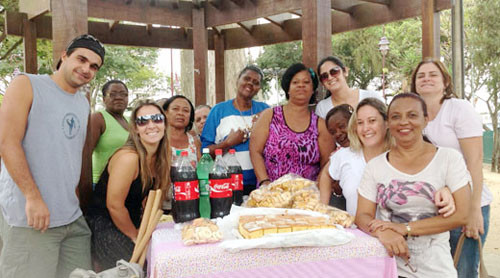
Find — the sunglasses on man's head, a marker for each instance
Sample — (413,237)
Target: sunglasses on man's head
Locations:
(143,120)
(332,72)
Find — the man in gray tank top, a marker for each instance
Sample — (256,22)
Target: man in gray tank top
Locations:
(43,125)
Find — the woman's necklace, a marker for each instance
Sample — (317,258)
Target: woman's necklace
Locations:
(248,128)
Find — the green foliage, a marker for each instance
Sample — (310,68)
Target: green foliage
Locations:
(133,66)
(275,59)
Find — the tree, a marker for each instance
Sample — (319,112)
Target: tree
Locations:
(132,65)
(483,38)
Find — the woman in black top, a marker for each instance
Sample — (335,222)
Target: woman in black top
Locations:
(140,165)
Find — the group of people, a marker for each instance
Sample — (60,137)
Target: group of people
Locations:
(409,172)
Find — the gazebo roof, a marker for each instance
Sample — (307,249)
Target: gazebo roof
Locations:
(169,23)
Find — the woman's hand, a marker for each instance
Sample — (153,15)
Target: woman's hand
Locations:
(394,243)
(443,199)
(475,224)
(236,137)
(377,224)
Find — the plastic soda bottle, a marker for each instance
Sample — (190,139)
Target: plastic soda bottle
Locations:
(234,169)
(203,170)
(186,191)
(221,195)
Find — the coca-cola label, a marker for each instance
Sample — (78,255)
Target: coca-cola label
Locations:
(220,188)
(186,190)
(237,181)
(204,187)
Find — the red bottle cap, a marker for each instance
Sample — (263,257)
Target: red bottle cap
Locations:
(218,152)
(184,153)
(232,151)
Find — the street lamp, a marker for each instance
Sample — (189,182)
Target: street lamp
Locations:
(383,46)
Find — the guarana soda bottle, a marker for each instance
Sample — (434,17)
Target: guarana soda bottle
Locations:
(186,191)
(236,173)
(221,195)
(203,170)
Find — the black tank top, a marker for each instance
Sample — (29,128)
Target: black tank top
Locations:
(133,202)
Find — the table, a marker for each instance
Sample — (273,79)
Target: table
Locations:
(362,257)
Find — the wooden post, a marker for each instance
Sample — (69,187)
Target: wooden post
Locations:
(457,47)
(219,68)
(316,31)
(200,49)
(428,29)
(29,39)
(69,19)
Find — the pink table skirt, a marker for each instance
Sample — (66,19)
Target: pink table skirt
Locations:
(362,257)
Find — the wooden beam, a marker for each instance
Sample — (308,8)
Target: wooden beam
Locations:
(228,12)
(216,31)
(29,39)
(317,41)
(69,21)
(215,3)
(149,29)
(246,28)
(123,34)
(428,29)
(342,6)
(141,12)
(382,2)
(200,49)
(235,38)
(274,22)
(297,13)
(220,85)
(240,3)
(34,9)
(112,25)
(363,16)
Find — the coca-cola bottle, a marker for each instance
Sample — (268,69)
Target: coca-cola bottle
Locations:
(221,195)
(236,173)
(186,192)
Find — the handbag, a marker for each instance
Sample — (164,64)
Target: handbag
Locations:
(123,269)
(482,268)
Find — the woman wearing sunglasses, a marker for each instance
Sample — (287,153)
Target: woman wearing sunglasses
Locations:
(142,164)
(333,75)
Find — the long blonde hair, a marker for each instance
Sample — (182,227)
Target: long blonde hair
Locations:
(159,177)
(354,141)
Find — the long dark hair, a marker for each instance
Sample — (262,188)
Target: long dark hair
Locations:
(161,177)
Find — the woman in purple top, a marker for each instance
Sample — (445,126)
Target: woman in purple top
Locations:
(291,138)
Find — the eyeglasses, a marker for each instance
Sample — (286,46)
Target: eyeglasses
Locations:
(143,120)
(332,72)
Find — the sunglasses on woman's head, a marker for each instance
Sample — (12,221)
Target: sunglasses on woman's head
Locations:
(332,72)
(143,120)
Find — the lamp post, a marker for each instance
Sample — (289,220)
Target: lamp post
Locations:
(383,46)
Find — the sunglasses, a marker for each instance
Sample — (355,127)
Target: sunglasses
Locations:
(155,118)
(332,72)
(86,37)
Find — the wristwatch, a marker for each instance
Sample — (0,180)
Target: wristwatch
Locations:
(408,230)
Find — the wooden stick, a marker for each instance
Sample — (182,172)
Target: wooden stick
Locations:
(146,219)
(146,215)
(142,243)
(143,256)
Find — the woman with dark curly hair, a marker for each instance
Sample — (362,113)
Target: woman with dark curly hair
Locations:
(180,118)
(291,138)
